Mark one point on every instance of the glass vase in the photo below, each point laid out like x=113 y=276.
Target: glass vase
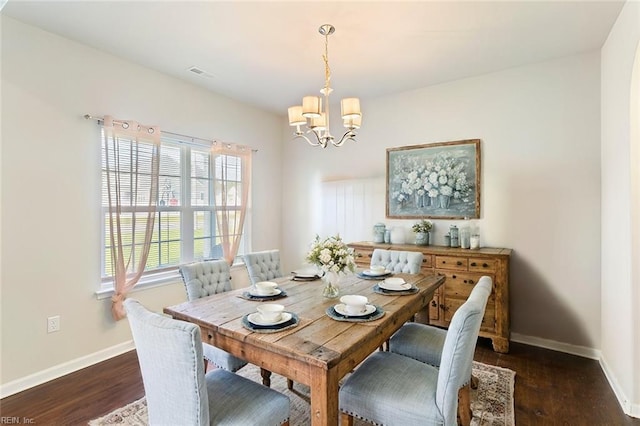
x=331 y=288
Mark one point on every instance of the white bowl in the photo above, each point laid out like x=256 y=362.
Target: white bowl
x=378 y=269
x=270 y=312
x=265 y=288
x=354 y=304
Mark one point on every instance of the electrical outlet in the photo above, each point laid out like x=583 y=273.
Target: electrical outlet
x=53 y=324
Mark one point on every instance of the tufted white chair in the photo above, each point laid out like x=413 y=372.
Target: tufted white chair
x=408 y=262
x=176 y=388
x=263 y=265
x=203 y=279
x=392 y=389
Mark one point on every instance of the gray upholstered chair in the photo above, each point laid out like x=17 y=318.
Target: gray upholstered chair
x=425 y=343
x=408 y=262
x=176 y=388
x=263 y=265
x=392 y=389
x=203 y=279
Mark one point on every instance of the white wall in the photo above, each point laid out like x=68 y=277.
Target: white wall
x=540 y=133
x=620 y=261
x=51 y=186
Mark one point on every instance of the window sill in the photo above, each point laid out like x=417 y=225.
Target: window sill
x=157 y=280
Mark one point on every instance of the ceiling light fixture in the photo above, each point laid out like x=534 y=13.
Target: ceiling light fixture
x=310 y=113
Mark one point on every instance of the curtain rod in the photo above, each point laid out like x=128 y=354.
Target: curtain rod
x=179 y=135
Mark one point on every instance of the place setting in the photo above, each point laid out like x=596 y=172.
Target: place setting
x=264 y=291
x=306 y=274
x=354 y=308
x=375 y=272
x=269 y=318
x=395 y=286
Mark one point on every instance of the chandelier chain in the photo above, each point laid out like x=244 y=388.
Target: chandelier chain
x=327 y=70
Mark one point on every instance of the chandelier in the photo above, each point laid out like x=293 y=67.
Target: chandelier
x=316 y=120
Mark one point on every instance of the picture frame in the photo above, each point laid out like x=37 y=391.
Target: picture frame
x=434 y=181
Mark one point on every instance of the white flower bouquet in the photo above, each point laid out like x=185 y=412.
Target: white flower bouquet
x=331 y=255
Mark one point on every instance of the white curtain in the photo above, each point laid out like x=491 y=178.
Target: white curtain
x=231 y=194
x=131 y=165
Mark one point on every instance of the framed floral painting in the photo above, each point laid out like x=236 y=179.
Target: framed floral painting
x=437 y=180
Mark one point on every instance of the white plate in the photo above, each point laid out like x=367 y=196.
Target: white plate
x=342 y=310
x=394 y=281
x=371 y=273
x=306 y=273
x=256 y=319
x=253 y=292
x=394 y=287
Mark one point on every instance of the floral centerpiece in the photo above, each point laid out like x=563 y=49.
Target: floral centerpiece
x=333 y=257
x=422 y=230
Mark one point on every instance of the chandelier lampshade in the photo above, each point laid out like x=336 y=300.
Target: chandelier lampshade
x=315 y=118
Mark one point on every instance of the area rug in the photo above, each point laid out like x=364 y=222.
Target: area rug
x=491 y=402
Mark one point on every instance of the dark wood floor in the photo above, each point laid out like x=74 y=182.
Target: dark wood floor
x=551 y=388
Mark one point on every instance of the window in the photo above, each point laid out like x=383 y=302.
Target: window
x=185 y=226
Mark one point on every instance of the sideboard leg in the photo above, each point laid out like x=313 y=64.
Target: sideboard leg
x=500 y=344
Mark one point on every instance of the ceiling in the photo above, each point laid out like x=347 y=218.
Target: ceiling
x=269 y=54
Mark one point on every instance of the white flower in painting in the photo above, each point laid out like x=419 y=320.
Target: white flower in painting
x=433 y=192
x=446 y=190
x=433 y=177
x=442 y=180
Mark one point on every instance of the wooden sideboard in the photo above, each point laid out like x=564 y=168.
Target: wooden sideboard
x=462 y=269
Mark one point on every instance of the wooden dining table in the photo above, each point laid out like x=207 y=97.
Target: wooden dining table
x=319 y=350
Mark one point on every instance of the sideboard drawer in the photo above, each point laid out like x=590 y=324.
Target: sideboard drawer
x=451 y=262
x=363 y=257
x=460 y=284
x=482 y=265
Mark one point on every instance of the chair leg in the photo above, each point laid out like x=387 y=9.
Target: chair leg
x=346 y=420
x=474 y=382
x=266 y=377
x=464 y=406
x=289 y=384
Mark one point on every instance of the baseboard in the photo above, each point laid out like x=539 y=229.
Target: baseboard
x=629 y=408
x=60 y=370
x=582 y=351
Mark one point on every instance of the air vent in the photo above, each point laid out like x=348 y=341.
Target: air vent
x=200 y=72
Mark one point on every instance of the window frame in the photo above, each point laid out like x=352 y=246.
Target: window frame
x=170 y=274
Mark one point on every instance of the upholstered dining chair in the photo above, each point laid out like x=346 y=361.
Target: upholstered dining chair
x=392 y=389
x=425 y=343
x=176 y=388
x=408 y=262
x=203 y=279
x=263 y=265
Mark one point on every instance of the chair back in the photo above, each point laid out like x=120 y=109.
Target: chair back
x=459 y=347
x=170 y=357
x=263 y=265
x=206 y=278
x=408 y=262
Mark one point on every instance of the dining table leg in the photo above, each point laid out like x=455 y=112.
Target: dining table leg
x=324 y=397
